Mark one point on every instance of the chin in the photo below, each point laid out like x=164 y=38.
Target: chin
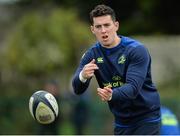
x=106 y=44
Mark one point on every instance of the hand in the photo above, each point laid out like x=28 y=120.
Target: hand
x=105 y=93
x=88 y=70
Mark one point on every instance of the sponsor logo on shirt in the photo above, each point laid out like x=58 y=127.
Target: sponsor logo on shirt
x=100 y=60
x=116 y=82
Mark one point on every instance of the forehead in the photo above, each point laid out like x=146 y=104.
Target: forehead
x=102 y=20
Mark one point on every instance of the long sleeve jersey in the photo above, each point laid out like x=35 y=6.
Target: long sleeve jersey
x=127 y=69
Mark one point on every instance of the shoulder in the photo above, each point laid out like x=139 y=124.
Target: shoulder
x=89 y=53
x=130 y=42
x=94 y=47
x=134 y=47
x=135 y=50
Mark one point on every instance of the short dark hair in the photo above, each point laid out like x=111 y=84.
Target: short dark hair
x=101 y=10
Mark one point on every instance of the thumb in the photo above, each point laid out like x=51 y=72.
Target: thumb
x=92 y=61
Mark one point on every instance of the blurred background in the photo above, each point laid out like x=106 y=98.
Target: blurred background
x=42 y=41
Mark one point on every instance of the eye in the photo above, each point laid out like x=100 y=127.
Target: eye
x=98 y=26
x=107 y=25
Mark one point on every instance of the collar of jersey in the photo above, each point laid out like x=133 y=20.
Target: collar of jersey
x=108 y=51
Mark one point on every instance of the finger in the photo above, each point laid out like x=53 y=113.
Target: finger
x=108 y=89
x=109 y=86
x=92 y=61
x=91 y=66
x=102 y=97
x=99 y=90
x=103 y=93
x=89 y=72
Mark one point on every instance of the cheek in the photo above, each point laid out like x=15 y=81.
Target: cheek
x=97 y=34
x=114 y=30
x=111 y=30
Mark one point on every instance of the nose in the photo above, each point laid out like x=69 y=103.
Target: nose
x=103 y=29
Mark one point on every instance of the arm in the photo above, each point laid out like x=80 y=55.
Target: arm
x=84 y=74
x=135 y=76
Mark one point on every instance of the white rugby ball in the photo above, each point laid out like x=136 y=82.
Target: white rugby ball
x=43 y=107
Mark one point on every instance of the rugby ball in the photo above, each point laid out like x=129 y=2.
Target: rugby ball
x=43 y=107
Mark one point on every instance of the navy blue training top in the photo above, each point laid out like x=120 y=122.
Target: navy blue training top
x=127 y=69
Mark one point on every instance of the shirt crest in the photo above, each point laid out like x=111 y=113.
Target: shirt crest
x=121 y=59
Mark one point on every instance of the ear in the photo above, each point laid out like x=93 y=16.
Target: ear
x=117 y=25
x=92 y=29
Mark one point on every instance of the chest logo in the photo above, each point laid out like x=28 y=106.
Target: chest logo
x=121 y=59
x=100 y=60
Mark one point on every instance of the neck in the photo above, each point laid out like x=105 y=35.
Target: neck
x=116 y=42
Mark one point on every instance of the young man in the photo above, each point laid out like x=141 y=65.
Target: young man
x=122 y=67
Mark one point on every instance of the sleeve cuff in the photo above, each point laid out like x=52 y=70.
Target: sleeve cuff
x=81 y=78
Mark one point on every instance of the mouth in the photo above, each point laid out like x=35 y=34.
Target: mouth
x=105 y=37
